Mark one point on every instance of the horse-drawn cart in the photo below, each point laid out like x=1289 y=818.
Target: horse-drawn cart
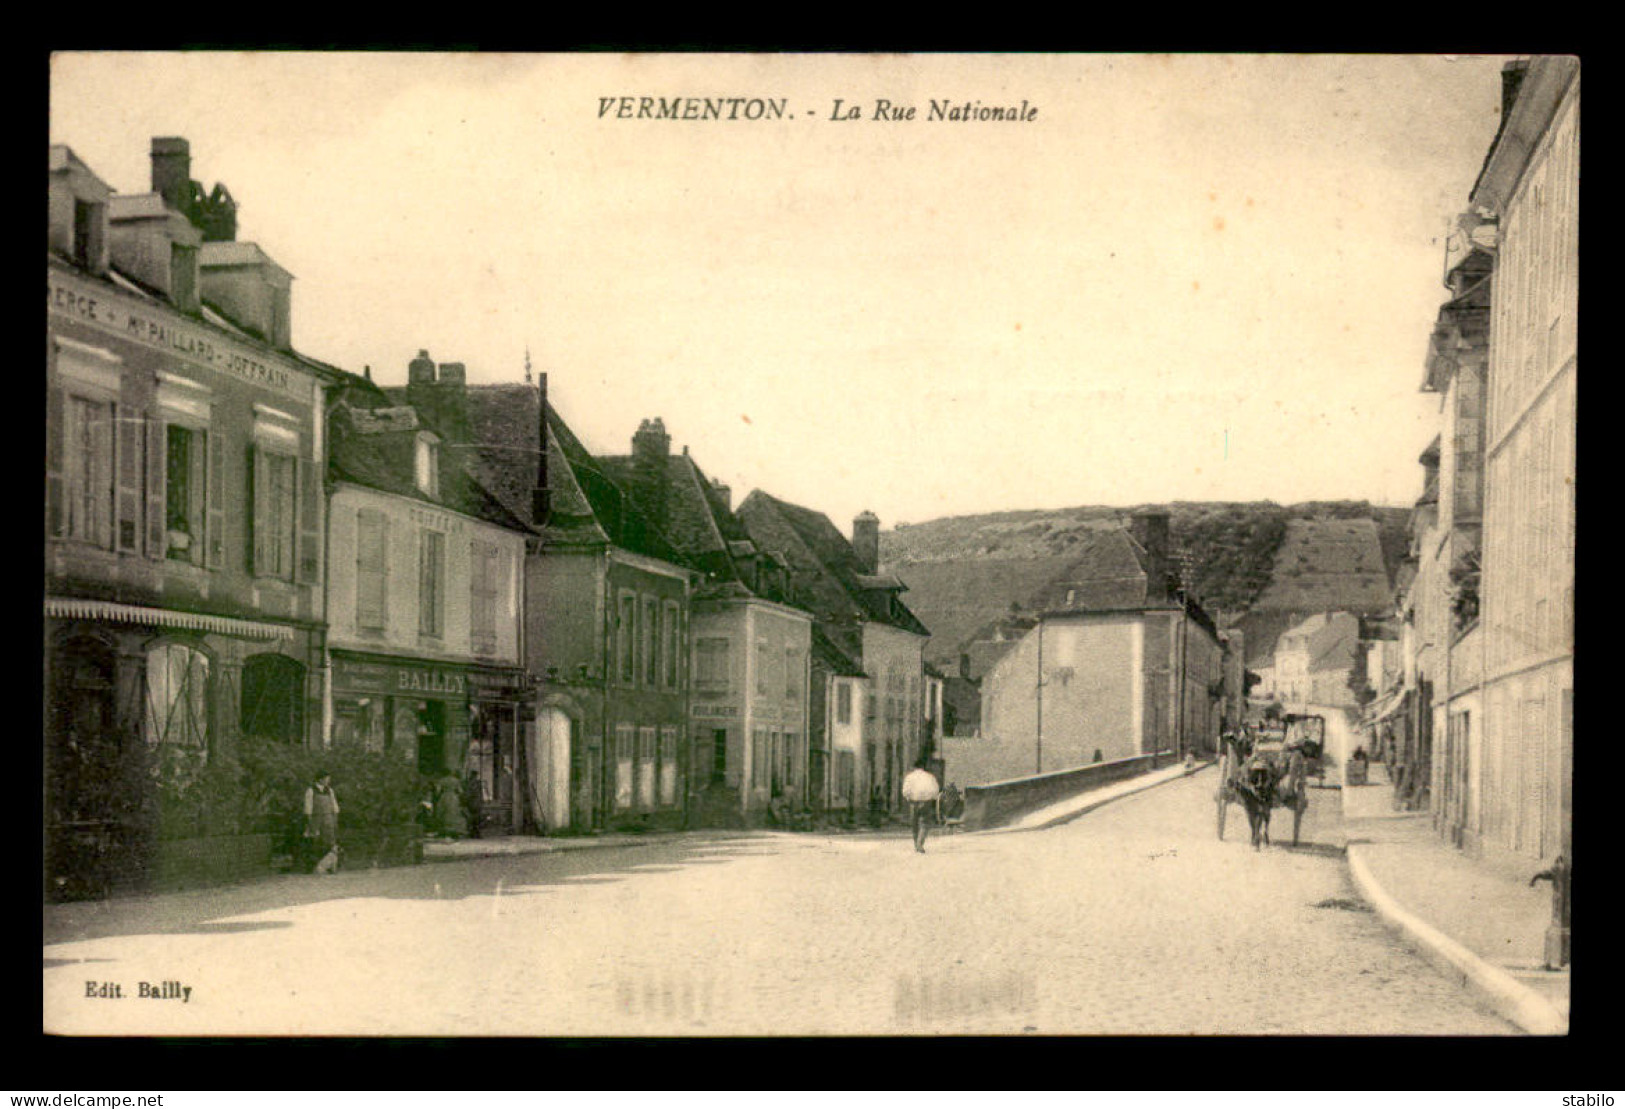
x=1261 y=773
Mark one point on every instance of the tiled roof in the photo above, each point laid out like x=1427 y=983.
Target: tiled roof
x=824 y=570
x=1107 y=572
x=837 y=660
x=586 y=507
x=375 y=447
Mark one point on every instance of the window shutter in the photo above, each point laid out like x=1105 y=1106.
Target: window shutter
x=307 y=498
x=156 y=523
x=215 y=510
x=54 y=416
x=127 y=522
x=261 y=534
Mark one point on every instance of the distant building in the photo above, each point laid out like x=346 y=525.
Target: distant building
x=860 y=612
x=1313 y=660
x=1118 y=661
x=759 y=734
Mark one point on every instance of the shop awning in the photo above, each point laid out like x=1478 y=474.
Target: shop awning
x=1385 y=708
x=73 y=609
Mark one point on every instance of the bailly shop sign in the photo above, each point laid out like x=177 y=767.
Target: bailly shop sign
x=387 y=678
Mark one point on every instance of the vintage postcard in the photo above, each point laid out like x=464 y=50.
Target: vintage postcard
x=641 y=544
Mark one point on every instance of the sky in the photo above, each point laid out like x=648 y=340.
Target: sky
x=1183 y=277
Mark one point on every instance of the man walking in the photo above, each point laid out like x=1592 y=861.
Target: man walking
x=920 y=790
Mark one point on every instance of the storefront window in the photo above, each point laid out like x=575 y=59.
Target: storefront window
x=273 y=698
x=177 y=708
x=668 y=766
x=624 y=739
x=646 y=766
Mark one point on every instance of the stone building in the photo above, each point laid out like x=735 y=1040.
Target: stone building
x=1118 y=662
x=607 y=612
x=425 y=596
x=184 y=513
x=759 y=736
x=1512 y=674
x=865 y=629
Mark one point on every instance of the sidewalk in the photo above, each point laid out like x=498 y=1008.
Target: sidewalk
x=448 y=850
x=1062 y=811
x=1474 y=919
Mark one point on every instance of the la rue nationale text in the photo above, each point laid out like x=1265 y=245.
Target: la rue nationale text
x=757 y=109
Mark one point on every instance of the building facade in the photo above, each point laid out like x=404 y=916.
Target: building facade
x=425 y=595
x=1522 y=777
x=863 y=626
x=184 y=613
x=1116 y=664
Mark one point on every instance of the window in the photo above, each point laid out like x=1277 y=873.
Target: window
x=626 y=644
x=372 y=570
x=624 y=736
x=273 y=698
x=763 y=658
x=792 y=674
x=274 y=499
x=719 y=755
x=431 y=583
x=711 y=664
x=485 y=560
x=177 y=706
x=651 y=641
x=427 y=464
x=87 y=471
x=646 y=766
x=843 y=702
x=759 y=758
x=668 y=765
x=185 y=499
x=183 y=277
x=88 y=222
x=673 y=644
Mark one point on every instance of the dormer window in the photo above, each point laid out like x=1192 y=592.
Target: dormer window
x=428 y=464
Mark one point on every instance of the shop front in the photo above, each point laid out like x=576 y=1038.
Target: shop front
x=449 y=719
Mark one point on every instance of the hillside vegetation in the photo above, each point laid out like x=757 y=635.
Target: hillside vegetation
x=965 y=571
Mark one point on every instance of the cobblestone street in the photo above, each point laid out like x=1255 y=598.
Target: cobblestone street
x=1131 y=919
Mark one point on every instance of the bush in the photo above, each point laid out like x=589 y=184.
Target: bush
x=374 y=790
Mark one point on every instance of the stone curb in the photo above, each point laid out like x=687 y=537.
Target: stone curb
x=1138 y=787
x=1509 y=997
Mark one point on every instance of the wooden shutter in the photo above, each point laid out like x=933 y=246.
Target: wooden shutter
x=54 y=415
x=308 y=505
x=129 y=449
x=215 y=503
x=260 y=534
x=157 y=525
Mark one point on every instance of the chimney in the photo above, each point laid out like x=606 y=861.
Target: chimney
x=866 y=540
x=172 y=172
x=453 y=373
x=651 y=447
x=1150 y=530
x=541 y=497
x=725 y=491
x=420 y=371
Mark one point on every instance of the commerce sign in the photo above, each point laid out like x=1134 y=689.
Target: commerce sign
x=99 y=308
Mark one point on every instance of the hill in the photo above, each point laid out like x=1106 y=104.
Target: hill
x=1257 y=565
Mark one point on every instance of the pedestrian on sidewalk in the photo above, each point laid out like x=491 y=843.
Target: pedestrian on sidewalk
x=920 y=790
x=322 y=822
